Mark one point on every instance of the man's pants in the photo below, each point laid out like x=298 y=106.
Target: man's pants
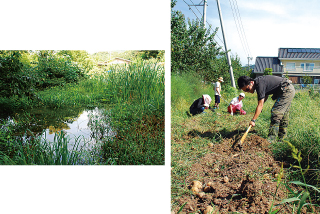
x=280 y=112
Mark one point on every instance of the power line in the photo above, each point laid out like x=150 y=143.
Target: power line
x=241 y=27
x=235 y=20
x=196 y=6
x=206 y=22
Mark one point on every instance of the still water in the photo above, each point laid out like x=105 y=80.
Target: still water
x=83 y=127
x=87 y=129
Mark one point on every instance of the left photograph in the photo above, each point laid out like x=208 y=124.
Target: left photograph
x=81 y=107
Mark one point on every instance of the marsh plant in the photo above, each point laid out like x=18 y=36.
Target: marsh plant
x=130 y=129
x=136 y=93
x=30 y=150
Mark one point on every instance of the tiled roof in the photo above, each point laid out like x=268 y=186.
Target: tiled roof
x=267 y=62
x=299 y=53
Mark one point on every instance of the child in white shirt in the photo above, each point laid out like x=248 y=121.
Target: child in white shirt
x=236 y=105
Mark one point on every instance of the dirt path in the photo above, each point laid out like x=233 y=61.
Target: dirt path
x=235 y=180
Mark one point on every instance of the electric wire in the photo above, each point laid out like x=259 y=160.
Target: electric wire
x=220 y=46
x=208 y=24
x=243 y=28
x=238 y=22
x=235 y=20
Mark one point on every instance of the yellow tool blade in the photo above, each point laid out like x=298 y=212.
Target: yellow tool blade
x=245 y=135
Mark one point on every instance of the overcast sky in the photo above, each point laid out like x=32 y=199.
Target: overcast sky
x=267 y=25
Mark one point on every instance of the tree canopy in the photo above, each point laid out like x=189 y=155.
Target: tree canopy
x=194 y=49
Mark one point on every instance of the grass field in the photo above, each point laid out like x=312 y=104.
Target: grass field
x=303 y=130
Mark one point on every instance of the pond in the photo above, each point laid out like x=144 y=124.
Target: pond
x=83 y=127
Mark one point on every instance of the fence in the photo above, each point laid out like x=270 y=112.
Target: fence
x=315 y=87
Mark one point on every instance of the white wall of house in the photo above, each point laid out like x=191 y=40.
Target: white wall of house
x=301 y=66
x=119 y=61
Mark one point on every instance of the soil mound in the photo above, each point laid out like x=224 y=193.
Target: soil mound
x=236 y=180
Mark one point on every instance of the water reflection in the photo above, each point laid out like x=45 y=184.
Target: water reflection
x=87 y=129
x=82 y=127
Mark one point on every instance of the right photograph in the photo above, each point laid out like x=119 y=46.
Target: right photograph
x=245 y=124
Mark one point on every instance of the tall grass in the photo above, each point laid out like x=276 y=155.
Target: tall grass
x=134 y=98
x=36 y=150
x=136 y=93
x=137 y=82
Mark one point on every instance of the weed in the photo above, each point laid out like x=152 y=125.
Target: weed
x=300 y=198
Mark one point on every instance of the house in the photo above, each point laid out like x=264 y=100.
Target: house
x=268 y=62
x=116 y=60
x=296 y=63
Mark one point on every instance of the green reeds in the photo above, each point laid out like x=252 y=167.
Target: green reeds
x=136 y=93
x=38 y=151
x=134 y=97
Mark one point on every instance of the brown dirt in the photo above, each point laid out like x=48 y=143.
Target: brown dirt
x=250 y=184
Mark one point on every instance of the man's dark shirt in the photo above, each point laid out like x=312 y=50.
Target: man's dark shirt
x=266 y=85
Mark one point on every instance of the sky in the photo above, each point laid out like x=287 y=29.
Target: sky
x=267 y=25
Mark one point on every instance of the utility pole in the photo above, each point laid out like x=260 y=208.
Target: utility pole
x=249 y=58
x=204 y=11
x=226 y=48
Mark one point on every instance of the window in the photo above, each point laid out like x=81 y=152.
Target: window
x=291 y=66
x=316 y=81
x=307 y=66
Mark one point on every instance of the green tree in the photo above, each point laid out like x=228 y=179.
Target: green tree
x=80 y=57
x=192 y=46
x=307 y=79
x=15 y=78
x=193 y=49
x=267 y=71
x=156 y=54
x=54 y=69
x=286 y=75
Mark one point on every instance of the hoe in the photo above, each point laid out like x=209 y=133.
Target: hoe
x=244 y=136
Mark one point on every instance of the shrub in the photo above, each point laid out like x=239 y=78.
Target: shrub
x=56 y=70
x=14 y=78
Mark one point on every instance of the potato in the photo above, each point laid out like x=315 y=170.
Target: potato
x=195 y=190
x=208 y=210
x=207 y=189
x=201 y=194
x=226 y=179
x=197 y=184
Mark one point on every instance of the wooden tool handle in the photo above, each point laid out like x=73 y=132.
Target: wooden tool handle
x=245 y=134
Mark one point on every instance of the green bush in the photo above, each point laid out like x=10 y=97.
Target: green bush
x=15 y=78
x=56 y=70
